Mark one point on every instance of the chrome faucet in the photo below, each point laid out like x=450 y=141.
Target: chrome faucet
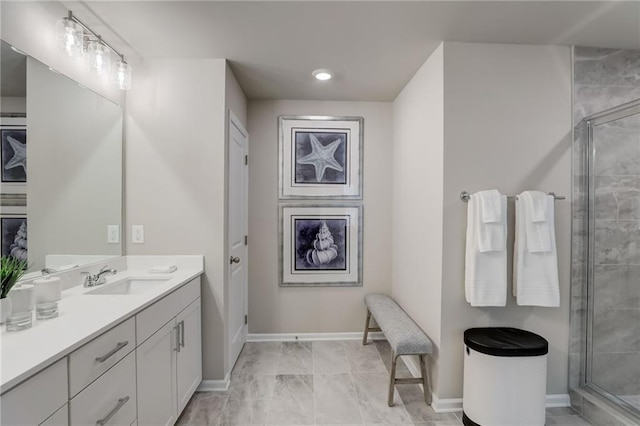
x=46 y=271
x=92 y=280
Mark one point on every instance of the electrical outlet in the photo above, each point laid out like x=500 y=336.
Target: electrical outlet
x=113 y=234
x=137 y=234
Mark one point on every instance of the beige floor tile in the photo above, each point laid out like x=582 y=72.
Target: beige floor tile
x=251 y=386
x=330 y=357
x=372 y=389
x=295 y=358
x=335 y=399
x=245 y=412
x=292 y=402
x=363 y=358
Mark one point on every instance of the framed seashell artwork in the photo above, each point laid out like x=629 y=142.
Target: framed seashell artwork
x=14 y=237
x=320 y=157
x=320 y=245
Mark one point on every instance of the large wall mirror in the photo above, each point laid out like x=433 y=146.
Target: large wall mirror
x=61 y=166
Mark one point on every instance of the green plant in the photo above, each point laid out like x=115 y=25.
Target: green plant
x=11 y=270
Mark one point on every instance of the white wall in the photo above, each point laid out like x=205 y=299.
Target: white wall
x=175 y=177
x=418 y=136
x=274 y=309
x=13 y=104
x=31 y=27
x=507 y=126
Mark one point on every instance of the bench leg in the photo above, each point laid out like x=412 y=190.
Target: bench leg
x=392 y=380
x=425 y=379
x=366 y=328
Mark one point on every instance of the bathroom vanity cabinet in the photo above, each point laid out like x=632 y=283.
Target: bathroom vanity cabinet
x=169 y=361
x=141 y=371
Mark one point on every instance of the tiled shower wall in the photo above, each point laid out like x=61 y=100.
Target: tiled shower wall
x=605 y=78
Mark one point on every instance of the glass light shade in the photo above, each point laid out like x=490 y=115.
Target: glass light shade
x=121 y=75
x=70 y=37
x=98 y=57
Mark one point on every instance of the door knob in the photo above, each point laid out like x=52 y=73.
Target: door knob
x=234 y=260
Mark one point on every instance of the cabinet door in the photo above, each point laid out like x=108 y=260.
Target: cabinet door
x=37 y=398
x=190 y=355
x=59 y=418
x=156 y=376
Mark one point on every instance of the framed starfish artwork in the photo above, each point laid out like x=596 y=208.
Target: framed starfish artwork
x=320 y=157
x=14 y=155
x=320 y=245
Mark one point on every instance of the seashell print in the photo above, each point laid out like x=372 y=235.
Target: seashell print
x=19 y=247
x=324 y=250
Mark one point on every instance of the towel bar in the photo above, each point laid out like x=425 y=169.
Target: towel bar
x=464 y=196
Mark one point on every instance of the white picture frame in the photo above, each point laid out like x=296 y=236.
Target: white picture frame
x=320 y=157
x=320 y=245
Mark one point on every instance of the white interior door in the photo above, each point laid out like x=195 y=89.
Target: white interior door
x=238 y=181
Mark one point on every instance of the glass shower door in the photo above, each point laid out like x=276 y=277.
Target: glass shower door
x=613 y=340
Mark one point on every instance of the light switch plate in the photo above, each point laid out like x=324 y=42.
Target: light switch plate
x=137 y=234
x=113 y=234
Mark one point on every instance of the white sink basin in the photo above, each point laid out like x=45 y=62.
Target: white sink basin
x=128 y=286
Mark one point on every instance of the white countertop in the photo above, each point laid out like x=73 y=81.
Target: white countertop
x=83 y=317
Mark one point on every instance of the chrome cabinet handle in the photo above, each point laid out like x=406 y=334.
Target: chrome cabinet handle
x=181 y=324
x=177 y=328
x=119 y=346
x=121 y=402
x=235 y=259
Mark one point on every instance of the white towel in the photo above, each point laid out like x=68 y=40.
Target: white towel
x=491 y=204
x=536 y=225
x=492 y=225
x=165 y=269
x=485 y=272
x=535 y=274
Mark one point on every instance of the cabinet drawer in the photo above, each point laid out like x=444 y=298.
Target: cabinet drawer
x=59 y=418
x=111 y=398
x=93 y=359
x=161 y=312
x=37 y=398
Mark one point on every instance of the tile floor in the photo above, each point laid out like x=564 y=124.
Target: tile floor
x=322 y=382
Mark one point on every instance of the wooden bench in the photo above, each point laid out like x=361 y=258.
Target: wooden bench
x=404 y=336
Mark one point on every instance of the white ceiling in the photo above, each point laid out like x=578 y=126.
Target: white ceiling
x=374 y=47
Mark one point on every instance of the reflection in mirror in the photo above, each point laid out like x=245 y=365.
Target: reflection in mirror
x=72 y=139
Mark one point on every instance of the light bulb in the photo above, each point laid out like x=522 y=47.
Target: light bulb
x=322 y=74
x=70 y=37
x=121 y=75
x=98 y=57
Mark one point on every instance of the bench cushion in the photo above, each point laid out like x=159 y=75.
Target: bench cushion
x=404 y=336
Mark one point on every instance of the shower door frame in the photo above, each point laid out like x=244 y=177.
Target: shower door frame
x=617 y=113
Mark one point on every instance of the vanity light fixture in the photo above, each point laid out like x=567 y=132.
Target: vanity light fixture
x=98 y=57
x=76 y=39
x=121 y=75
x=70 y=36
x=322 y=74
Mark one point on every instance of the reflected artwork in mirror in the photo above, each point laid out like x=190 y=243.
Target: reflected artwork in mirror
x=61 y=147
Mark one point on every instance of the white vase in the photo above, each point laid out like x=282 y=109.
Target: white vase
x=5 y=309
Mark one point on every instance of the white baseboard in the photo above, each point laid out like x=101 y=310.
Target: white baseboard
x=293 y=337
x=214 y=385
x=455 y=404
x=558 y=400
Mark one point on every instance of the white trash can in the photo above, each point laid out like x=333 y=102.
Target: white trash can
x=505 y=377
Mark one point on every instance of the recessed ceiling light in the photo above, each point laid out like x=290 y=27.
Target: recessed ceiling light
x=323 y=74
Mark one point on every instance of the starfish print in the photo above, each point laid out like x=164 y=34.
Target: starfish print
x=321 y=157
x=19 y=158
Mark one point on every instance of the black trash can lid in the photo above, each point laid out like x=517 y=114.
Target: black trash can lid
x=505 y=341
